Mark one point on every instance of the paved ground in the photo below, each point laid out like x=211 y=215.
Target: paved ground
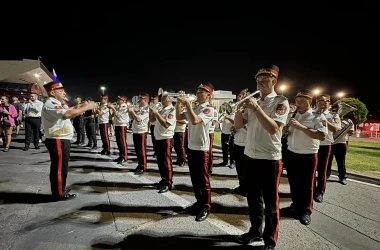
x=116 y=209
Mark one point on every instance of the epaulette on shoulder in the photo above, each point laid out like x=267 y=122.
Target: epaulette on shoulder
x=280 y=98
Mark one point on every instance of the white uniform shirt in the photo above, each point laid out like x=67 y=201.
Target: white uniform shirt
x=123 y=121
x=33 y=109
x=241 y=136
x=226 y=124
x=335 y=120
x=215 y=118
x=160 y=132
x=199 y=138
x=298 y=141
x=344 y=138
x=180 y=127
x=142 y=126
x=105 y=117
x=55 y=126
x=259 y=143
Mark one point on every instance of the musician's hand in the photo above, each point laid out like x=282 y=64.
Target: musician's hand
x=153 y=111
x=295 y=124
x=91 y=105
x=130 y=109
x=182 y=99
x=251 y=104
x=233 y=130
x=110 y=106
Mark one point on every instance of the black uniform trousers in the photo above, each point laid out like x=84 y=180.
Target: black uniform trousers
x=338 y=150
x=179 y=146
x=262 y=181
x=121 y=141
x=59 y=150
x=139 y=142
x=198 y=166
x=78 y=123
x=153 y=138
x=90 y=132
x=32 y=130
x=284 y=148
x=211 y=155
x=324 y=154
x=228 y=147
x=239 y=154
x=164 y=160
x=103 y=129
x=300 y=169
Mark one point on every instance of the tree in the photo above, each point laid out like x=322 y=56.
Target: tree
x=360 y=114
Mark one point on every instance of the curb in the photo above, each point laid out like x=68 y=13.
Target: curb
x=353 y=176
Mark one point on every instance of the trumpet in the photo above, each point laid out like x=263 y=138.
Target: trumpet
x=191 y=97
x=232 y=108
x=157 y=106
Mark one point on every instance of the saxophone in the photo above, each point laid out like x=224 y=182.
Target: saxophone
x=285 y=130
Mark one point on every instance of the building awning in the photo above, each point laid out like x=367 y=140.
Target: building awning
x=15 y=74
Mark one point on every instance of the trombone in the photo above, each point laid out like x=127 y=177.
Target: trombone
x=233 y=107
x=191 y=97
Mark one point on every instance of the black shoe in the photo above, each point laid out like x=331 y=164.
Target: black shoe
x=165 y=188
x=269 y=247
x=120 y=161
x=232 y=165
x=289 y=212
x=247 y=238
x=139 y=170
x=67 y=190
x=193 y=209
x=36 y=147
x=94 y=147
x=239 y=190
x=67 y=197
x=202 y=215
x=89 y=145
x=107 y=153
x=182 y=164
x=305 y=219
x=343 y=181
x=25 y=149
x=223 y=164
x=318 y=198
x=103 y=152
x=160 y=184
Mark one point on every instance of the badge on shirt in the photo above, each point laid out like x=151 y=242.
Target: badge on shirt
x=281 y=109
x=215 y=114
x=206 y=111
x=336 y=119
x=170 y=116
x=324 y=122
x=58 y=107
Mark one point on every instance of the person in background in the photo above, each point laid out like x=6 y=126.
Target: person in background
x=8 y=113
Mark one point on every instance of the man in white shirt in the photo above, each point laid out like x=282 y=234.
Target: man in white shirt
x=228 y=141
x=103 y=113
x=211 y=133
x=32 y=111
x=200 y=120
x=165 y=120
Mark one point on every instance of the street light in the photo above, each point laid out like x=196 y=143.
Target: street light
x=103 y=88
x=340 y=95
x=282 y=88
x=316 y=92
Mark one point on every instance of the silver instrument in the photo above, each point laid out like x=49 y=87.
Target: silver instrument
x=233 y=108
x=191 y=97
x=226 y=110
x=343 y=109
x=285 y=129
x=157 y=106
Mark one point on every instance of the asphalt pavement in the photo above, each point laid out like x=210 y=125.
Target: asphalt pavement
x=116 y=209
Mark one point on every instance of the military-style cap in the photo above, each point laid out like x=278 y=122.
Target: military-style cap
x=144 y=95
x=104 y=96
x=52 y=85
x=323 y=98
x=268 y=70
x=305 y=93
x=153 y=97
x=122 y=98
x=206 y=86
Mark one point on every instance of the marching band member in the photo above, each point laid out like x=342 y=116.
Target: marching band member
x=104 y=112
x=339 y=150
x=140 y=122
x=211 y=134
x=200 y=120
x=240 y=136
x=165 y=121
x=89 y=119
x=121 y=121
x=179 y=140
x=228 y=141
x=324 y=152
x=59 y=132
x=78 y=123
x=262 y=156
x=307 y=129
x=154 y=100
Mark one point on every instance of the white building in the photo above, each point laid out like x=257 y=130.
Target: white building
x=221 y=96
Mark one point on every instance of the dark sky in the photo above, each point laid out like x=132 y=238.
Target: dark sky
x=139 y=50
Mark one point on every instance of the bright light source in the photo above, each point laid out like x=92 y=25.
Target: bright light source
x=316 y=91
x=37 y=75
x=282 y=87
x=102 y=88
x=340 y=94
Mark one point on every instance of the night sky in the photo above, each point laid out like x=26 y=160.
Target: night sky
x=139 y=50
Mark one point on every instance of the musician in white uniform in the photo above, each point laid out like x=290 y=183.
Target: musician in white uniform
x=121 y=123
x=228 y=141
x=324 y=152
x=59 y=132
x=211 y=133
x=307 y=129
x=140 y=120
x=262 y=156
x=200 y=120
x=103 y=115
x=165 y=120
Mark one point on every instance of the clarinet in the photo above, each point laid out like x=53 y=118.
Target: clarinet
x=285 y=130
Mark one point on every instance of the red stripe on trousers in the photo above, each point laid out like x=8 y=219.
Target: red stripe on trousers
x=124 y=141
x=312 y=181
x=107 y=137
x=206 y=179
x=325 y=172
x=183 y=146
x=169 y=162
x=143 y=149
x=59 y=172
x=275 y=236
x=210 y=150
